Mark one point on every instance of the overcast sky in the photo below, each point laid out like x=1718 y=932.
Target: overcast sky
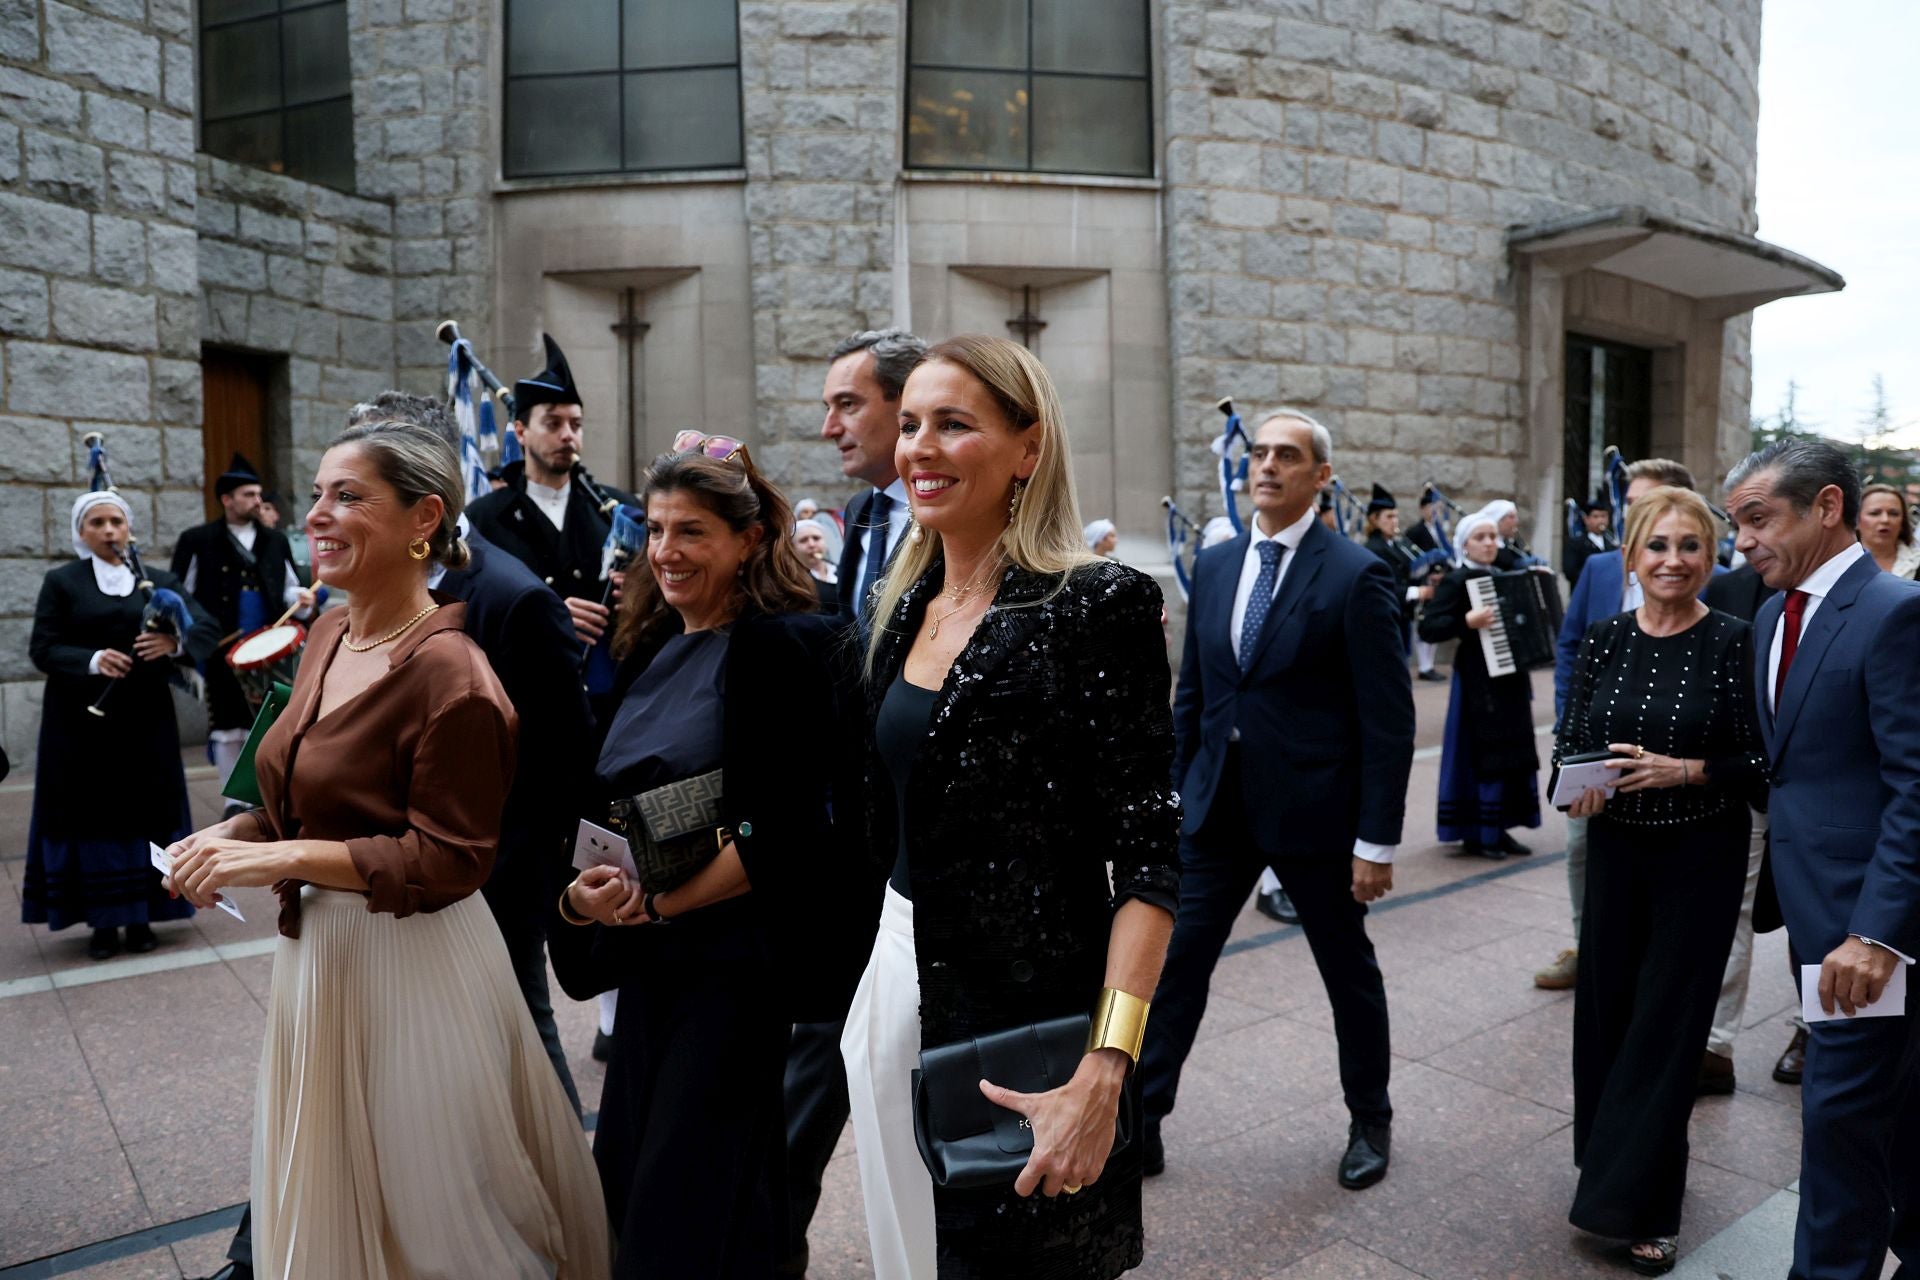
x=1840 y=183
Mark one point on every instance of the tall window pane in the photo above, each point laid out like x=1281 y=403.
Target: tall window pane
x=276 y=87
x=970 y=33
x=566 y=124
x=1050 y=86
x=669 y=98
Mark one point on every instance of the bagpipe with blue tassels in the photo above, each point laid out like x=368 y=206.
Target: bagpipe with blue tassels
x=1350 y=519
x=471 y=390
x=165 y=612
x=1183 y=535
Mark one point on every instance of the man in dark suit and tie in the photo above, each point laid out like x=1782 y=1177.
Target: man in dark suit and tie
x=862 y=396
x=1839 y=698
x=1293 y=722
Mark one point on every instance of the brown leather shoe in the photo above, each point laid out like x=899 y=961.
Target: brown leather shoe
x=1793 y=1060
x=1716 y=1075
x=1561 y=974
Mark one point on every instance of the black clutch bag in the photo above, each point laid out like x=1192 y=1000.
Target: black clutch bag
x=670 y=830
x=967 y=1142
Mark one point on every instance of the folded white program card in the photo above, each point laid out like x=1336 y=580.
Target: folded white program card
x=1575 y=779
x=1891 y=1004
x=598 y=847
x=164 y=864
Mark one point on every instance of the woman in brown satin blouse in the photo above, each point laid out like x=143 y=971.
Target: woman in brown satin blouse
x=407 y=1122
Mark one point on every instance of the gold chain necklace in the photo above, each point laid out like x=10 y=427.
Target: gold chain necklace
x=394 y=634
x=960 y=596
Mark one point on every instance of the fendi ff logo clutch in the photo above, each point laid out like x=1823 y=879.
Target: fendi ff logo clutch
x=681 y=808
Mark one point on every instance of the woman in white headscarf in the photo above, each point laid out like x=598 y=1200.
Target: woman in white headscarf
x=1513 y=552
x=1101 y=538
x=105 y=785
x=1489 y=765
x=810 y=540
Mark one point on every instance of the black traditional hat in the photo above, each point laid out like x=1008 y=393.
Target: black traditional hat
x=1592 y=505
x=1382 y=500
x=1430 y=496
x=552 y=385
x=238 y=475
x=1325 y=502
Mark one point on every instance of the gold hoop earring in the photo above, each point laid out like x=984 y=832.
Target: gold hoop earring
x=419 y=549
x=1013 y=507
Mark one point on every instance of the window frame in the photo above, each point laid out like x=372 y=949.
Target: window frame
x=1146 y=78
x=620 y=72
x=277 y=15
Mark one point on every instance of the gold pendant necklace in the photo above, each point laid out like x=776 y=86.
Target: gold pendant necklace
x=960 y=596
x=395 y=634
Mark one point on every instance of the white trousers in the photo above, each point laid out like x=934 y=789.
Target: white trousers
x=881 y=1046
x=1732 y=1006
x=1423 y=652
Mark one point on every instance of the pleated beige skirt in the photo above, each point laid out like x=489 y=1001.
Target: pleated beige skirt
x=408 y=1124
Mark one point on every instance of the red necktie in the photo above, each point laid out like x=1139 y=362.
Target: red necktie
x=1789 y=640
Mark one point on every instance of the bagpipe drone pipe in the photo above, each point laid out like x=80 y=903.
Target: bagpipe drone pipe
x=165 y=612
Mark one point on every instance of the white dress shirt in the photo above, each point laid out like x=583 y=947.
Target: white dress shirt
x=1817 y=585
x=897 y=518
x=1288 y=538
x=552 y=503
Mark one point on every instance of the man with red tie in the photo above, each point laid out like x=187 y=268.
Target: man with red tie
x=1838 y=691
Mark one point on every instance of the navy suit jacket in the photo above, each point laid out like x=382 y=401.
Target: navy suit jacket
x=1325 y=709
x=527 y=635
x=851 y=560
x=1844 y=813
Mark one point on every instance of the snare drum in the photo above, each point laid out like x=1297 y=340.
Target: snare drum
x=267 y=655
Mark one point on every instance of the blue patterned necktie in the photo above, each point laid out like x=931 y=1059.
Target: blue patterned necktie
x=874 y=562
x=1261 y=601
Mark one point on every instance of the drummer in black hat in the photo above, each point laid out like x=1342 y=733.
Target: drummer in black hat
x=540 y=516
x=1596 y=538
x=241 y=571
x=1384 y=540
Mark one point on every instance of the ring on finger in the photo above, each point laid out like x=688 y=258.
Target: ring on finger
x=1073 y=1190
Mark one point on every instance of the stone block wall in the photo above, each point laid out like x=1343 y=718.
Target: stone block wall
x=1341 y=175
x=291 y=268
x=821 y=89
x=98 y=313
x=423 y=144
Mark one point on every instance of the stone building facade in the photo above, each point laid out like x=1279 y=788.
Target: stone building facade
x=1478 y=238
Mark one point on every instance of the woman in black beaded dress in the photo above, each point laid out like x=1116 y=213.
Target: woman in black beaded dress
x=1023 y=743
x=87 y=848
x=1667 y=686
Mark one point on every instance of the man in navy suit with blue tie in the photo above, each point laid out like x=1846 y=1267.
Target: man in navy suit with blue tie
x=1838 y=689
x=1293 y=723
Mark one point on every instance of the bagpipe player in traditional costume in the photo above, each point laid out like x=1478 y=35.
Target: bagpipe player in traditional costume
x=552 y=516
x=109 y=778
x=1489 y=768
x=1399 y=555
x=241 y=570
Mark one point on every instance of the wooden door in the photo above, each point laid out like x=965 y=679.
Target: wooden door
x=235 y=391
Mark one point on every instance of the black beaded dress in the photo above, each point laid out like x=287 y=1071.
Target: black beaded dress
x=1665 y=872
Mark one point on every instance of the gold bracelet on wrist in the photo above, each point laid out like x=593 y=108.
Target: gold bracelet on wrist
x=567 y=912
x=1119 y=1022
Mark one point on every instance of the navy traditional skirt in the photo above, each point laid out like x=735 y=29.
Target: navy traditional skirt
x=1473 y=807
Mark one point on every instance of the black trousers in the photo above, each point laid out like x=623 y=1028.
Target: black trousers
x=526 y=939
x=817 y=1109
x=1662 y=903
x=691 y=1146
x=1218 y=868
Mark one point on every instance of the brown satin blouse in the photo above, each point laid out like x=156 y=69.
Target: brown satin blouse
x=411 y=773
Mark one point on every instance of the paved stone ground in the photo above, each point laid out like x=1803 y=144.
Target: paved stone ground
x=126 y=1092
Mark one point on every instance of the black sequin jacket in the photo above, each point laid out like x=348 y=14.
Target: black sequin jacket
x=1046 y=761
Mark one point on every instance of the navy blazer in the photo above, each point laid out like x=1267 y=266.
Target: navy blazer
x=527 y=636
x=850 y=555
x=1844 y=817
x=1325 y=710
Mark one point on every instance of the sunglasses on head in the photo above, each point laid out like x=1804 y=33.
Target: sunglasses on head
x=719 y=448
